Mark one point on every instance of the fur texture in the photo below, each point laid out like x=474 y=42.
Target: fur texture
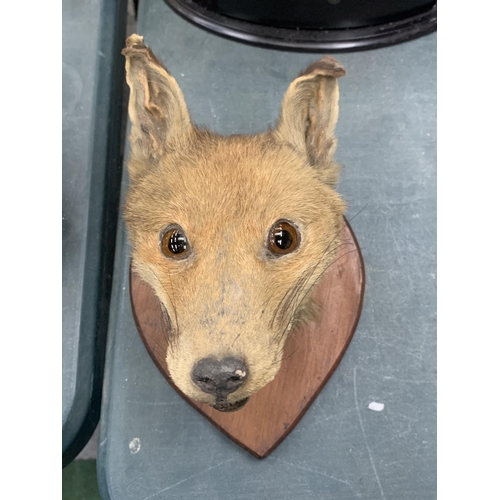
x=231 y=296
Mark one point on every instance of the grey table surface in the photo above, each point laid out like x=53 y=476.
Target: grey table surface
x=153 y=445
x=91 y=123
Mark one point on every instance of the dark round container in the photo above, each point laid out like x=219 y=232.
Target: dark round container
x=313 y=25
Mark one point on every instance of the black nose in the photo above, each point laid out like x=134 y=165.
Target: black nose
x=219 y=378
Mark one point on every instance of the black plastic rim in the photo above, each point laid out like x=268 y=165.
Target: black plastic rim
x=369 y=37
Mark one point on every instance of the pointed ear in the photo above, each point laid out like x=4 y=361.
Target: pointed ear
x=310 y=110
x=158 y=113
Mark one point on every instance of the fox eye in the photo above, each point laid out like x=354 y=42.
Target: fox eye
x=174 y=243
x=283 y=238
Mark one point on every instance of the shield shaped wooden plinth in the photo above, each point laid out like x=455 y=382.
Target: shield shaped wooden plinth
x=311 y=354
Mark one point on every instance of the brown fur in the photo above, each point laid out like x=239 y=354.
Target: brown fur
x=231 y=297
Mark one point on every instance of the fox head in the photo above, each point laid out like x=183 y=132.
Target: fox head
x=231 y=232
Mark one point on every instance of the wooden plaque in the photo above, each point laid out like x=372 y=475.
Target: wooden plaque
x=311 y=354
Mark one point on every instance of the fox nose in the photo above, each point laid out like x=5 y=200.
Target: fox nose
x=219 y=378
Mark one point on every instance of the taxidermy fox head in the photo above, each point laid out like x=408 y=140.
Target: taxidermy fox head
x=232 y=232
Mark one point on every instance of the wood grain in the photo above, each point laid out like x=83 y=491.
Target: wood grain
x=311 y=355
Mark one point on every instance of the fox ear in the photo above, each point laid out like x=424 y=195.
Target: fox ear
x=158 y=113
x=310 y=111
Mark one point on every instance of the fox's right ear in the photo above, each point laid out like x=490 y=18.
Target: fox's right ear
x=310 y=111
x=157 y=110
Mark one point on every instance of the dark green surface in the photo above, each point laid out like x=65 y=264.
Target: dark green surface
x=92 y=83
x=80 y=481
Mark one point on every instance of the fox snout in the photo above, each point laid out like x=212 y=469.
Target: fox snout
x=233 y=233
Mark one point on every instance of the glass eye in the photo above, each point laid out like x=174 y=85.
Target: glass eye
x=174 y=243
x=283 y=238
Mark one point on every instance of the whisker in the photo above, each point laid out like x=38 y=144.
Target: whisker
x=326 y=269
x=296 y=288
x=355 y=215
x=173 y=304
x=298 y=292
x=170 y=333
x=283 y=359
x=304 y=295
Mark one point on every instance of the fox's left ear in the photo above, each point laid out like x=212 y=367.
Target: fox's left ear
x=310 y=111
x=158 y=113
